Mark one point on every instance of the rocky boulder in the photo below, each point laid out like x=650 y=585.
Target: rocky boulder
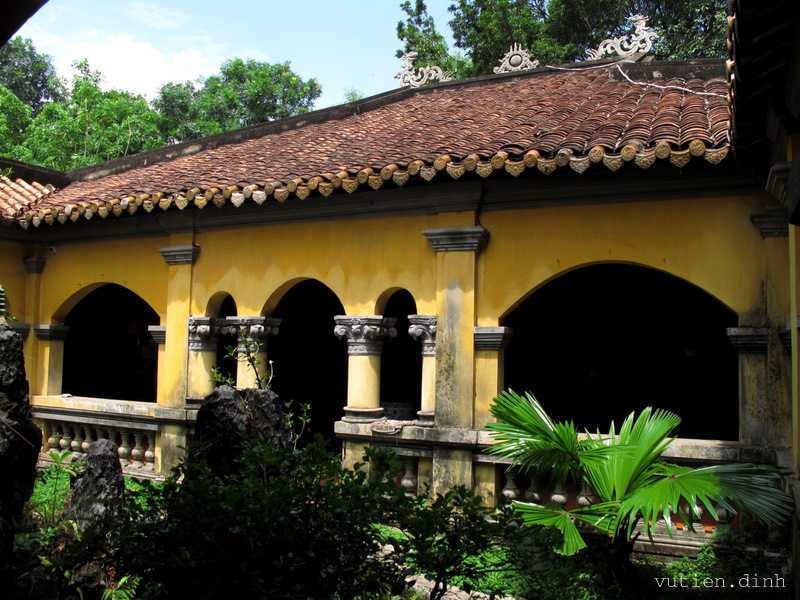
x=98 y=490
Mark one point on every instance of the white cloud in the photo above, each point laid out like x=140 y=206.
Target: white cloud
x=156 y=17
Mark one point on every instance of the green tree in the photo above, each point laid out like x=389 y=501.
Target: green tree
x=90 y=126
x=625 y=471
x=15 y=116
x=419 y=34
x=243 y=93
x=30 y=75
x=559 y=31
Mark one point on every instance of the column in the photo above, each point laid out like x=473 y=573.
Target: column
x=490 y=342
x=423 y=328
x=174 y=362
x=364 y=335
x=34 y=363
x=457 y=250
x=751 y=343
x=52 y=357
x=202 y=357
x=256 y=332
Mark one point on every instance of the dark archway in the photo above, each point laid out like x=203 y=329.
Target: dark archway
x=401 y=362
x=108 y=352
x=605 y=340
x=310 y=362
x=227 y=363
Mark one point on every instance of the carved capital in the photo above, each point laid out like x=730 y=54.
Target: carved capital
x=47 y=333
x=255 y=329
x=202 y=334
x=158 y=333
x=471 y=239
x=180 y=255
x=365 y=333
x=492 y=338
x=34 y=264
x=423 y=328
x=771 y=222
x=749 y=340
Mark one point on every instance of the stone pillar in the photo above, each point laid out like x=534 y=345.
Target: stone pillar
x=457 y=250
x=202 y=357
x=34 y=362
x=423 y=328
x=174 y=363
x=365 y=335
x=490 y=343
x=751 y=343
x=257 y=330
x=52 y=355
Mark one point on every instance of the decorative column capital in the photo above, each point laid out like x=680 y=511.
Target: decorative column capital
x=365 y=333
x=472 y=239
x=47 y=333
x=749 y=340
x=771 y=222
x=158 y=333
x=256 y=329
x=34 y=264
x=202 y=334
x=185 y=254
x=423 y=328
x=492 y=338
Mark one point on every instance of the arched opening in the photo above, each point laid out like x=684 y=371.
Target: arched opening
x=401 y=362
x=108 y=352
x=227 y=363
x=309 y=361
x=602 y=341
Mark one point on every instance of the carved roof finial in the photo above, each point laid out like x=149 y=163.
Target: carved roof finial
x=516 y=59
x=408 y=77
x=641 y=41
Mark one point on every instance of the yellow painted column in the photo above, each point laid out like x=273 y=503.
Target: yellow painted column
x=51 y=357
x=457 y=251
x=256 y=332
x=34 y=267
x=364 y=335
x=202 y=357
x=173 y=362
x=490 y=344
x=423 y=328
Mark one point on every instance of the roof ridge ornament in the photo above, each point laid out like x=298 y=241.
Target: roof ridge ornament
x=516 y=59
x=641 y=41
x=408 y=77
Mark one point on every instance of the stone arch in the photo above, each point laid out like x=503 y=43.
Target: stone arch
x=309 y=362
x=602 y=340
x=401 y=360
x=108 y=351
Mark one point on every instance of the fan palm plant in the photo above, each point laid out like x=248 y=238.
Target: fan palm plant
x=625 y=471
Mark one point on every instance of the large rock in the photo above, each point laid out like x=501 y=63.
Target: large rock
x=20 y=439
x=98 y=490
x=228 y=416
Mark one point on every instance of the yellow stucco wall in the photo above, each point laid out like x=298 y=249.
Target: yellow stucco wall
x=12 y=278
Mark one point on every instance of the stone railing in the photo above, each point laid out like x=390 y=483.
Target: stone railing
x=73 y=423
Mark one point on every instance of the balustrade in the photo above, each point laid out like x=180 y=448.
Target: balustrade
x=135 y=447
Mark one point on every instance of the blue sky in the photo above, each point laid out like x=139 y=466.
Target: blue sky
x=142 y=44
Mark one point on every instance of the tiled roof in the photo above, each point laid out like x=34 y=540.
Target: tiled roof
x=18 y=196
x=542 y=121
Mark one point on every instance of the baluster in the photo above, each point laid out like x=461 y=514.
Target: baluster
x=698 y=515
x=66 y=436
x=150 y=451
x=53 y=436
x=91 y=435
x=510 y=490
x=559 y=494
x=137 y=451
x=409 y=481
x=586 y=495
x=724 y=516
x=124 y=449
x=534 y=491
x=77 y=441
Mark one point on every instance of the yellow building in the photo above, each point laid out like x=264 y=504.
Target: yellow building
x=582 y=232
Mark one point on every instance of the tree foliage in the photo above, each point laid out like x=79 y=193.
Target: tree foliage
x=558 y=31
x=29 y=75
x=243 y=93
